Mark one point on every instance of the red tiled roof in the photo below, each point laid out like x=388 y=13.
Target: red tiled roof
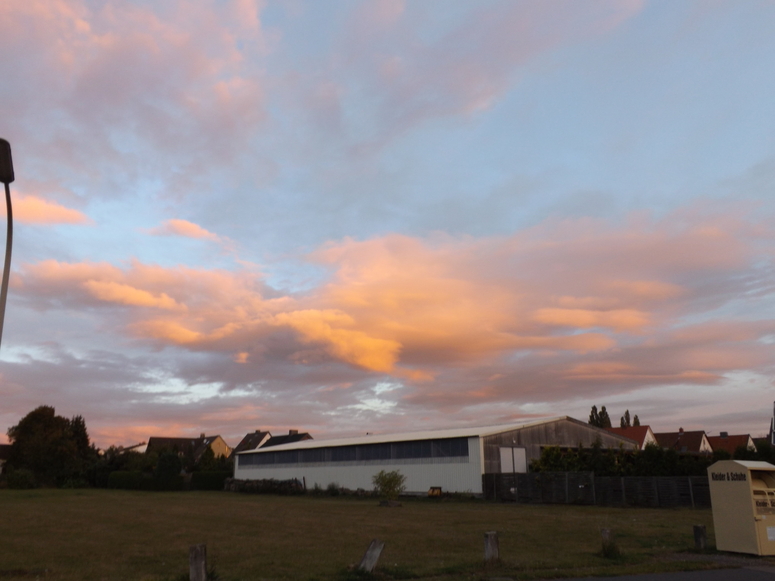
x=729 y=443
x=637 y=433
x=681 y=441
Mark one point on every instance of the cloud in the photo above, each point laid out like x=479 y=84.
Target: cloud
x=34 y=210
x=109 y=93
x=468 y=67
x=417 y=308
x=124 y=294
x=176 y=227
x=619 y=319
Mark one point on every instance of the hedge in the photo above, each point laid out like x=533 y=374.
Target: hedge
x=209 y=480
x=136 y=480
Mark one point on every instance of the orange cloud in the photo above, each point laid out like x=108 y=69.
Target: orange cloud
x=168 y=331
x=417 y=308
x=354 y=346
x=128 y=295
x=35 y=210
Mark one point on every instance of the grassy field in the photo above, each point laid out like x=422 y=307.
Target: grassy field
x=68 y=535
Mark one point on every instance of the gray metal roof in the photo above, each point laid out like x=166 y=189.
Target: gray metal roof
x=407 y=436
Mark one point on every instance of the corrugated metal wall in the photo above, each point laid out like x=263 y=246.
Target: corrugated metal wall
x=453 y=475
x=563 y=433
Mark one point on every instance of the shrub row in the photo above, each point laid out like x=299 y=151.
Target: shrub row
x=208 y=480
x=270 y=486
x=136 y=480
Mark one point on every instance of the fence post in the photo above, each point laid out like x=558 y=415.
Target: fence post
x=491 y=548
x=691 y=490
x=197 y=563
x=624 y=493
x=371 y=556
x=594 y=497
x=700 y=537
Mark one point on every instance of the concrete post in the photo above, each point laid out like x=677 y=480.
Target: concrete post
x=700 y=537
x=197 y=563
x=491 y=548
x=371 y=556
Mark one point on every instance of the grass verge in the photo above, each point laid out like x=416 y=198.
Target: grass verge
x=121 y=535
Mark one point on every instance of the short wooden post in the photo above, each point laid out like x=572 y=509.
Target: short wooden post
x=491 y=549
x=197 y=563
x=700 y=537
x=371 y=556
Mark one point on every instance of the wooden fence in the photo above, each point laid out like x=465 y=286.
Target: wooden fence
x=586 y=488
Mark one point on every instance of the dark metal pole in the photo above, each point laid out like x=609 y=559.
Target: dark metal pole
x=7 y=264
x=6 y=176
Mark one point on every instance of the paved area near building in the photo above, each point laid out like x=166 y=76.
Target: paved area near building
x=742 y=574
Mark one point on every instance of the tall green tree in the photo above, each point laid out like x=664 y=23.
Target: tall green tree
x=624 y=422
x=605 y=421
x=636 y=421
x=594 y=417
x=599 y=419
x=56 y=449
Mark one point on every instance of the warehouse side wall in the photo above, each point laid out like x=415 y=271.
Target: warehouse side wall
x=451 y=474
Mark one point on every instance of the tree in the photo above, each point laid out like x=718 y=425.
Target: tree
x=55 y=449
x=599 y=419
x=389 y=484
x=605 y=421
x=594 y=417
x=624 y=422
x=636 y=421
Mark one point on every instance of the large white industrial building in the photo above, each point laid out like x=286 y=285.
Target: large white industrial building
x=454 y=459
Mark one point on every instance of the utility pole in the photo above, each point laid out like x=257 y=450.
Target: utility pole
x=6 y=176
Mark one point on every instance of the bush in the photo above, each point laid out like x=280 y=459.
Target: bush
x=126 y=479
x=21 y=479
x=268 y=486
x=389 y=484
x=75 y=483
x=333 y=489
x=209 y=480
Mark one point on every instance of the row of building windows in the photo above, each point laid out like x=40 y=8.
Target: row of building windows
x=446 y=448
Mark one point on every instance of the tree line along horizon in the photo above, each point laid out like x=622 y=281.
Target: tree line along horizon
x=54 y=451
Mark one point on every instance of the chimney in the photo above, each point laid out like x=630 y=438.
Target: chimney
x=724 y=434
x=202 y=435
x=293 y=432
x=680 y=430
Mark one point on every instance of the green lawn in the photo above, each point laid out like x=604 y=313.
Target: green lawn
x=106 y=535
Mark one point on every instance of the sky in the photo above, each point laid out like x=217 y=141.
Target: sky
x=373 y=216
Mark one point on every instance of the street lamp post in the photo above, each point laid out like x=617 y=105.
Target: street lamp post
x=6 y=176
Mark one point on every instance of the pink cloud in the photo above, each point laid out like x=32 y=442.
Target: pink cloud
x=550 y=313
x=35 y=210
x=176 y=227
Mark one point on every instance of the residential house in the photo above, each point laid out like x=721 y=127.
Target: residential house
x=693 y=442
x=252 y=441
x=191 y=447
x=731 y=443
x=641 y=434
x=291 y=437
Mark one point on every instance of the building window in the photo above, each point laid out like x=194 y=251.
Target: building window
x=443 y=448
